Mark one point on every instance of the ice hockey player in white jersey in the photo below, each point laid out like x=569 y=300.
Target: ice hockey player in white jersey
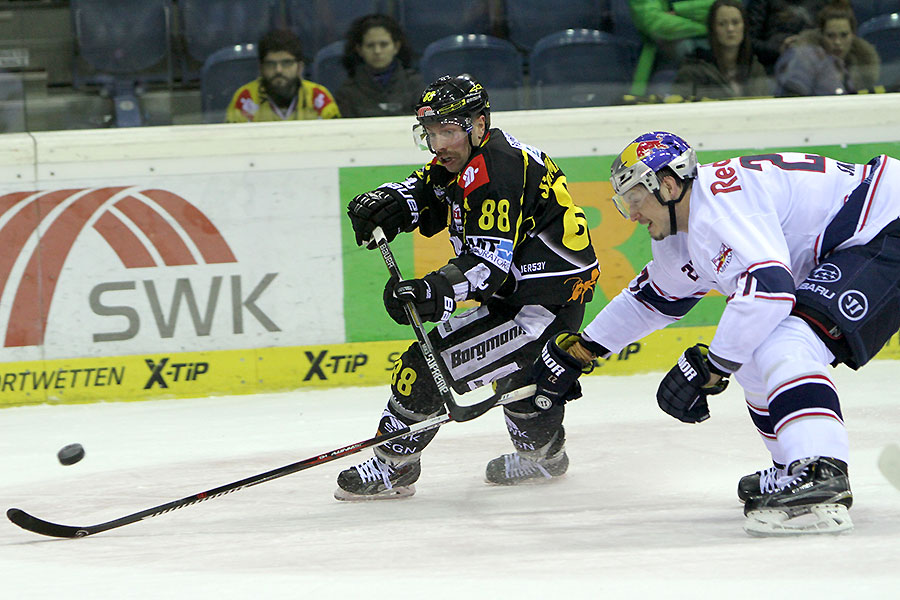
x=807 y=251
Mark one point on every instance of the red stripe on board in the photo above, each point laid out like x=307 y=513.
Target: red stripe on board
x=171 y=247
x=9 y=200
x=28 y=317
x=16 y=232
x=127 y=246
x=209 y=241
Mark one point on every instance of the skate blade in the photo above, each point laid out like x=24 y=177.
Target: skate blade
x=396 y=493
x=532 y=481
x=820 y=518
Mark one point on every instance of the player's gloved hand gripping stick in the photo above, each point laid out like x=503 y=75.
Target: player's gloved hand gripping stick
x=457 y=412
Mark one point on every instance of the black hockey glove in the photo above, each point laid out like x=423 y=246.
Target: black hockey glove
x=432 y=297
x=377 y=208
x=682 y=392
x=555 y=372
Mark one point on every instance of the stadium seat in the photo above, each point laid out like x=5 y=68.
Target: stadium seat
x=622 y=23
x=208 y=25
x=495 y=63
x=426 y=21
x=869 y=9
x=121 y=40
x=222 y=74
x=581 y=67
x=124 y=44
x=530 y=20
x=884 y=33
x=327 y=68
x=12 y=103
x=321 y=22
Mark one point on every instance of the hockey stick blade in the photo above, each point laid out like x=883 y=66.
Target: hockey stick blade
x=889 y=464
x=460 y=413
x=35 y=525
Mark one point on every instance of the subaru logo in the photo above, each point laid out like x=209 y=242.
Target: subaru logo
x=825 y=273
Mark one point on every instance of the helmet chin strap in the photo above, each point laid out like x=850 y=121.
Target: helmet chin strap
x=671 y=204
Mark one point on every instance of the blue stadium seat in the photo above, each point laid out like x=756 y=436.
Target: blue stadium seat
x=495 y=63
x=224 y=71
x=884 y=33
x=12 y=103
x=869 y=9
x=581 y=67
x=208 y=25
x=426 y=21
x=327 y=68
x=321 y=22
x=622 y=23
x=124 y=44
x=530 y=20
x=121 y=40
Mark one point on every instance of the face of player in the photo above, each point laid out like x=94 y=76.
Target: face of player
x=378 y=48
x=837 y=35
x=450 y=143
x=729 y=27
x=281 y=73
x=644 y=208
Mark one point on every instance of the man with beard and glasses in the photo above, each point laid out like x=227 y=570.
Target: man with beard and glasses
x=280 y=93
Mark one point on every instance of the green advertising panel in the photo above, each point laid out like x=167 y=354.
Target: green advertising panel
x=622 y=247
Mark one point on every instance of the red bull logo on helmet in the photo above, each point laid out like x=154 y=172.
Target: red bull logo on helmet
x=644 y=148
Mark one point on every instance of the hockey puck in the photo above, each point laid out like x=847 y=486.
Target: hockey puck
x=70 y=454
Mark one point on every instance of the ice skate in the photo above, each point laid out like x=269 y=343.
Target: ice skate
x=761 y=482
x=813 y=497
x=514 y=468
x=376 y=479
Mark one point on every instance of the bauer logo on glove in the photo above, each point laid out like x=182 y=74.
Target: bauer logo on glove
x=682 y=392
x=556 y=373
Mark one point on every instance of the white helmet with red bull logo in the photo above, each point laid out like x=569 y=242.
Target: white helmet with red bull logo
x=641 y=161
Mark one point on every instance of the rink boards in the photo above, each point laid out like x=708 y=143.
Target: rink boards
x=195 y=261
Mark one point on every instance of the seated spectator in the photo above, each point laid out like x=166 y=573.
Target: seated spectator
x=829 y=60
x=729 y=69
x=280 y=93
x=377 y=59
x=774 y=25
x=664 y=24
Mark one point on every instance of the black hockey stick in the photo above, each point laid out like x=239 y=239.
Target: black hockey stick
x=35 y=525
x=457 y=412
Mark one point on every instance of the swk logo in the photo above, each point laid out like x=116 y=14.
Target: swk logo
x=322 y=364
x=175 y=372
x=144 y=227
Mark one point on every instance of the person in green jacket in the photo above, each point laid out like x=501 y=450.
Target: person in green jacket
x=663 y=24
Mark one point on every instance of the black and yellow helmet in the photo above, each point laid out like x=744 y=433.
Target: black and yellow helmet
x=456 y=99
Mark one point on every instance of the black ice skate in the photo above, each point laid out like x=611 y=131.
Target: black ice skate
x=376 y=479
x=761 y=482
x=812 y=498
x=513 y=469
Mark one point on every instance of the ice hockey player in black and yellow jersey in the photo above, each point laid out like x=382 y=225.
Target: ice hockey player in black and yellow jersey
x=523 y=252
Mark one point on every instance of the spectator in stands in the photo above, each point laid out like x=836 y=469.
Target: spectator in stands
x=774 y=25
x=828 y=60
x=377 y=58
x=281 y=93
x=664 y=24
x=729 y=69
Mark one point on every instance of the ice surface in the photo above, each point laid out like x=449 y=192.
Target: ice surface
x=648 y=508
